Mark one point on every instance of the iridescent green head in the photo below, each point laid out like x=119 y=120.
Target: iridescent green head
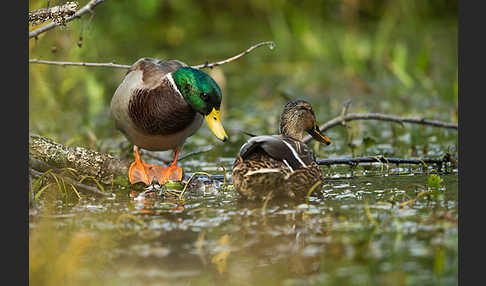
x=198 y=89
x=203 y=94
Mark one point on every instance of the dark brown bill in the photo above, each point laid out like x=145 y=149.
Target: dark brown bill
x=316 y=134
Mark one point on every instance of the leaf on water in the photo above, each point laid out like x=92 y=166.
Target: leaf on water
x=434 y=181
x=174 y=185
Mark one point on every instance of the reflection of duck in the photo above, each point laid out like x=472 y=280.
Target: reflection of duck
x=280 y=163
x=301 y=261
x=158 y=105
x=148 y=202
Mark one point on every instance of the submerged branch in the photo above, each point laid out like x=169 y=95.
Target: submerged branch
x=87 y=8
x=113 y=65
x=380 y=159
x=341 y=120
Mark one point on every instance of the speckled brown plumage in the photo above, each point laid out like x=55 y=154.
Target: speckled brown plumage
x=280 y=164
x=272 y=175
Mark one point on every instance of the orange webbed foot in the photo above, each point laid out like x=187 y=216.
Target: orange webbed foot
x=173 y=173
x=146 y=173
x=139 y=172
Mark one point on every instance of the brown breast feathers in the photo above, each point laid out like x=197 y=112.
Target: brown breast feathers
x=160 y=110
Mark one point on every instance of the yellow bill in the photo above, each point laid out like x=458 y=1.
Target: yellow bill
x=215 y=125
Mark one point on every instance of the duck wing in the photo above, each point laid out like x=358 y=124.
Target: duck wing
x=153 y=70
x=283 y=148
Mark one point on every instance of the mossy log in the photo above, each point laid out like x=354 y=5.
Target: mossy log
x=46 y=154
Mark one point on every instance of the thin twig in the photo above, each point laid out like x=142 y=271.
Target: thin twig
x=212 y=65
x=379 y=116
x=197 y=152
x=87 y=8
x=108 y=65
x=113 y=65
x=166 y=160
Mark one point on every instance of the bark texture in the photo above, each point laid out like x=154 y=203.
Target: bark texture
x=45 y=153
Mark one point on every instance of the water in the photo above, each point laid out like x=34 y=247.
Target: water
x=354 y=233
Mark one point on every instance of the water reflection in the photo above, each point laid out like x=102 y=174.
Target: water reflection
x=153 y=239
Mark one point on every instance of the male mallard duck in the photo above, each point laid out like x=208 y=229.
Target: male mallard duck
x=281 y=163
x=158 y=105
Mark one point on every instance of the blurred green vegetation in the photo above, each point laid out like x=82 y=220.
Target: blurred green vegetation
x=397 y=57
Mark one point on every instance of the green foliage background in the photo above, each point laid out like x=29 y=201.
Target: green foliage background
x=397 y=57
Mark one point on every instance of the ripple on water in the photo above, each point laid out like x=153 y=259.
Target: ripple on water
x=332 y=232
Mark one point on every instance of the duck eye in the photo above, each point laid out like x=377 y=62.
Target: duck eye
x=204 y=96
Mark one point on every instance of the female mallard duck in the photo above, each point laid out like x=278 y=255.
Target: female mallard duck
x=281 y=163
x=158 y=105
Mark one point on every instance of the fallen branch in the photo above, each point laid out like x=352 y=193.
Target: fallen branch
x=113 y=65
x=103 y=167
x=58 y=14
x=87 y=8
x=341 y=120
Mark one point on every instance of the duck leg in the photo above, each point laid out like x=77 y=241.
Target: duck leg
x=140 y=171
x=143 y=172
x=173 y=172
